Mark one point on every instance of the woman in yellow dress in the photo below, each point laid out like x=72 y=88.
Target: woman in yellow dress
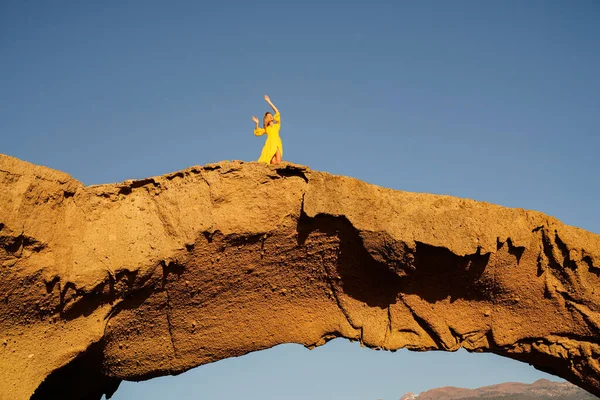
x=272 y=151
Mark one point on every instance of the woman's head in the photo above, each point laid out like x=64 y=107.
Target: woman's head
x=268 y=119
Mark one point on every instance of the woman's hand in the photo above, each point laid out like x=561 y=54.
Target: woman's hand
x=255 y=120
x=268 y=100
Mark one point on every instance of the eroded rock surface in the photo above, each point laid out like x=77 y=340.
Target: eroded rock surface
x=152 y=277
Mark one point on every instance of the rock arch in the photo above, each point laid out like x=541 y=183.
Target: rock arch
x=156 y=276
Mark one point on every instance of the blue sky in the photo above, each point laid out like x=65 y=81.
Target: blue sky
x=494 y=101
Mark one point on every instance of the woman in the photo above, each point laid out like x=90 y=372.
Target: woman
x=273 y=149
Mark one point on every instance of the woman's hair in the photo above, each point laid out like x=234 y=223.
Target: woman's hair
x=264 y=124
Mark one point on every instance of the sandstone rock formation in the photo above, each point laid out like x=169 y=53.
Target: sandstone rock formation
x=156 y=276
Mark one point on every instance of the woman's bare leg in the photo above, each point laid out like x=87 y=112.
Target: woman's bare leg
x=277 y=157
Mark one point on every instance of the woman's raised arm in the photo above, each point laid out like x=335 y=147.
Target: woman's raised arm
x=268 y=100
x=258 y=131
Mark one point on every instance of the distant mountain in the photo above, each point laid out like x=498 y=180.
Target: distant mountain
x=539 y=390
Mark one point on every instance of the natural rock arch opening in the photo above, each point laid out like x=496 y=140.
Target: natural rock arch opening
x=339 y=369
x=375 y=373
x=157 y=276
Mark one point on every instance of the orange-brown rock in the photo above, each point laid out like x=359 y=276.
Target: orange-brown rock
x=156 y=276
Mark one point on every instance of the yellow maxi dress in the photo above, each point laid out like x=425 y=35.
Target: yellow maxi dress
x=273 y=140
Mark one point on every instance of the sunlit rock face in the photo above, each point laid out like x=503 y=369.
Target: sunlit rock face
x=156 y=276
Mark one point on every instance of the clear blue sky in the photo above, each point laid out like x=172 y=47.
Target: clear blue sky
x=494 y=101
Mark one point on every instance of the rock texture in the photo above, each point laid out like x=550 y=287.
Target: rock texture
x=156 y=276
